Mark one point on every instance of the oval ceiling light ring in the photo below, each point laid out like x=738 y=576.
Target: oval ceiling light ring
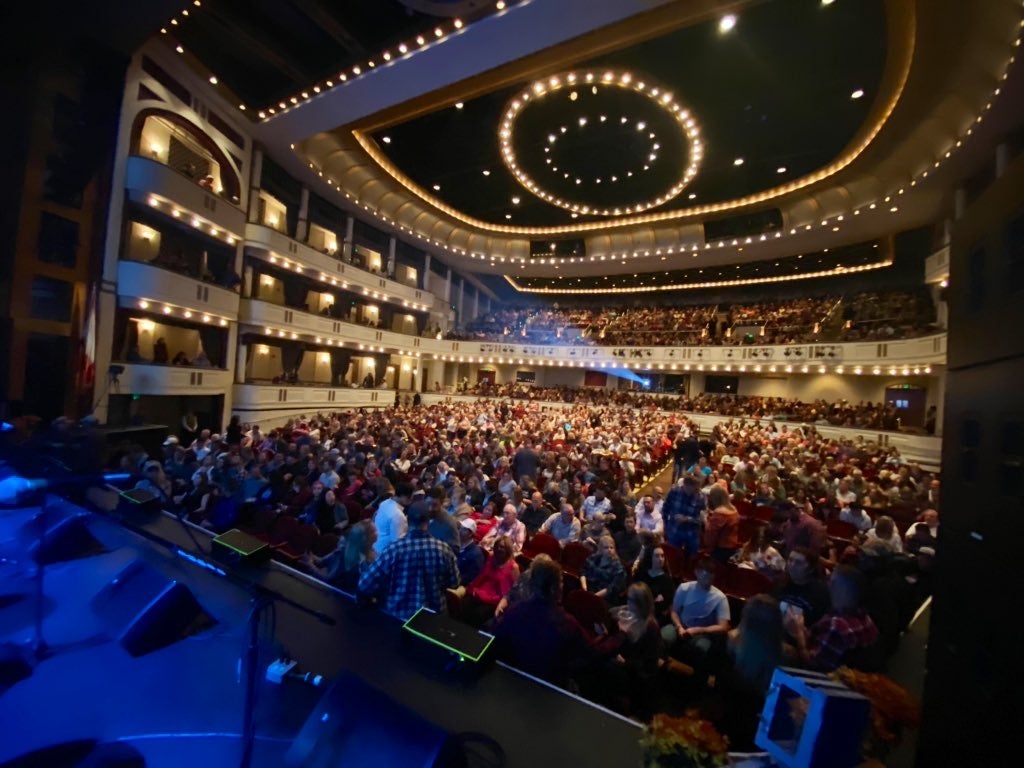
x=662 y=99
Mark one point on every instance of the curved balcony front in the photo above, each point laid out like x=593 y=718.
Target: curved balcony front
x=150 y=379
x=141 y=281
x=316 y=264
x=150 y=181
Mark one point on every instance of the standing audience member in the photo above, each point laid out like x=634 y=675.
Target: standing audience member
x=722 y=535
x=414 y=571
x=390 y=518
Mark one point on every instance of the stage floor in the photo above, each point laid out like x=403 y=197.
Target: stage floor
x=183 y=705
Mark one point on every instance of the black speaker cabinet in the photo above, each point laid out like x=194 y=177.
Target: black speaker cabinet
x=147 y=610
x=67 y=537
x=357 y=724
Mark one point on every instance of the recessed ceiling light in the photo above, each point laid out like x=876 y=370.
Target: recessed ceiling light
x=386 y=139
x=573 y=96
x=508 y=215
x=500 y=5
x=726 y=23
x=515 y=201
x=213 y=79
x=486 y=173
x=459 y=105
x=437 y=187
x=738 y=161
x=857 y=94
x=781 y=169
x=693 y=195
x=827 y=2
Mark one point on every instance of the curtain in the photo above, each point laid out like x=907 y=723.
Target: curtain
x=295 y=294
x=212 y=340
x=381 y=367
x=341 y=360
x=292 y=353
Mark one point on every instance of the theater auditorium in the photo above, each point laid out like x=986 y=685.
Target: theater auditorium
x=516 y=383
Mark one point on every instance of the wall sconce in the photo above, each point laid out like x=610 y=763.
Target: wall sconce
x=262 y=349
x=266 y=280
x=325 y=357
x=272 y=221
x=147 y=326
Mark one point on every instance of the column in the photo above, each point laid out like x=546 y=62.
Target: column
x=241 y=353
x=302 y=227
x=1002 y=158
x=462 y=292
x=959 y=203
x=231 y=353
x=247 y=277
x=346 y=245
x=426 y=272
x=476 y=303
x=448 y=287
x=255 y=175
x=389 y=268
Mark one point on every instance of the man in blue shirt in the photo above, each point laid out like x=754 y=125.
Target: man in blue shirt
x=682 y=513
x=413 y=571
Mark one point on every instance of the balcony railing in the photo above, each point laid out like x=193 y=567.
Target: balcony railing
x=318 y=265
x=146 y=179
x=149 y=379
x=853 y=357
x=268 y=404
x=155 y=284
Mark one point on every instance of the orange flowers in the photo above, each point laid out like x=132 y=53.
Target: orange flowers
x=683 y=742
x=892 y=706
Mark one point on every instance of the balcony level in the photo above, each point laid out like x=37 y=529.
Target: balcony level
x=143 y=282
x=160 y=186
x=917 y=354
x=278 y=248
x=272 y=405
x=151 y=379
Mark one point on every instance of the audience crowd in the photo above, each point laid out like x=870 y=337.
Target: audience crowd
x=551 y=527
x=893 y=315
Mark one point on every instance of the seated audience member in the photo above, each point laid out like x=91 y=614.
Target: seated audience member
x=155 y=481
x=351 y=557
x=758 y=554
x=536 y=635
x=653 y=570
x=854 y=514
x=803 y=587
x=801 y=529
x=648 y=518
x=535 y=512
x=633 y=672
x=884 y=536
x=924 y=533
x=628 y=543
x=485 y=519
x=510 y=526
x=603 y=573
x=755 y=648
x=843 y=635
x=597 y=513
x=414 y=571
x=700 y=620
x=471 y=555
x=721 y=536
x=493 y=584
x=564 y=525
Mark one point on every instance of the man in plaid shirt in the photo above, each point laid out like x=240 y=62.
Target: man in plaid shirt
x=839 y=633
x=414 y=571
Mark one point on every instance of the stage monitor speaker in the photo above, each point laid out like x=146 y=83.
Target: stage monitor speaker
x=148 y=610
x=138 y=501
x=68 y=538
x=357 y=724
x=83 y=753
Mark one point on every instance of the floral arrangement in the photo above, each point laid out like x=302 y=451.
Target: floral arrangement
x=683 y=742
x=892 y=708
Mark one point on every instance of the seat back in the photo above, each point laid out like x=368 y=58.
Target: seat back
x=587 y=608
x=543 y=543
x=840 y=529
x=282 y=529
x=573 y=556
x=742 y=582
